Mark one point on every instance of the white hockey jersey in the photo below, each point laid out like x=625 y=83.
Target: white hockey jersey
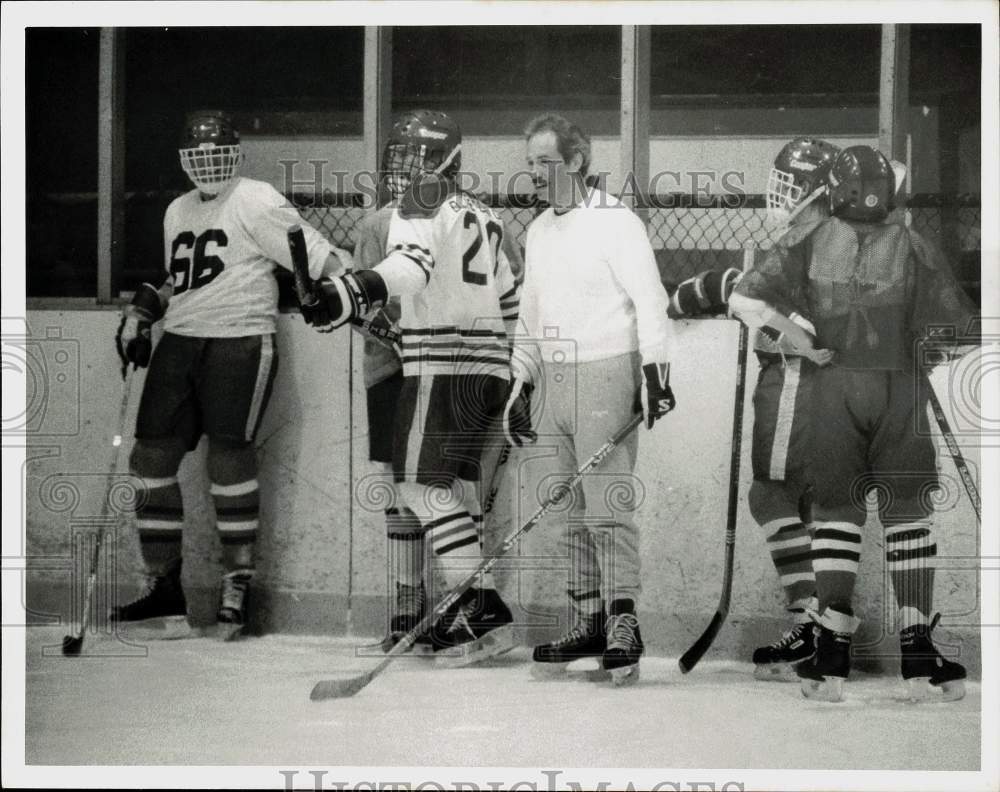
x=455 y=323
x=220 y=257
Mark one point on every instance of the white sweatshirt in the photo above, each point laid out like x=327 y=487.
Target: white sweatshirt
x=591 y=278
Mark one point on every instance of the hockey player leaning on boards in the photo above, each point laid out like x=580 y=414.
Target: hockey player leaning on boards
x=212 y=370
x=873 y=288
x=796 y=194
x=444 y=259
x=589 y=273
x=383 y=371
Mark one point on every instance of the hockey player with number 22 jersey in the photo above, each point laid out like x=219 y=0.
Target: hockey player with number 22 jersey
x=459 y=298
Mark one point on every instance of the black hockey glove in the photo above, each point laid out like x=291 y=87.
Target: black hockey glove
x=339 y=300
x=134 y=337
x=316 y=315
x=659 y=398
x=517 y=414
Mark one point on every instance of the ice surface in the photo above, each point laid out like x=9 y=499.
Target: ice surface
x=202 y=702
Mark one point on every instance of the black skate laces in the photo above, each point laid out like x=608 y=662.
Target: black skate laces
x=621 y=629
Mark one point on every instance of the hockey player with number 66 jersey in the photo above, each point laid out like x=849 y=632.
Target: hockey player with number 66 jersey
x=212 y=370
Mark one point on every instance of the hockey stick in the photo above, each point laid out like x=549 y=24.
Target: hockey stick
x=73 y=644
x=343 y=688
x=303 y=287
x=956 y=454
x=691 y=657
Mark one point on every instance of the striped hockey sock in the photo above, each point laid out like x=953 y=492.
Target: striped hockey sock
x=237 y=511
x=909 y=554
x=454 y=541
x=160 y=522
x=836 y=551
x=790 y=544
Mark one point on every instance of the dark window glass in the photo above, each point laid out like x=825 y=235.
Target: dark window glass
x=493 y=79
x=274 y=82
x=61 y=76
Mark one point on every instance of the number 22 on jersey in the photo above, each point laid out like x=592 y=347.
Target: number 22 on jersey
x=476 y=259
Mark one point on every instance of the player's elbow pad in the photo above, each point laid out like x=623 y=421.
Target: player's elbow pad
x=705 y=294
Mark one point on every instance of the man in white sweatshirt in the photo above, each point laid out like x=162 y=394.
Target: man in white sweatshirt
x=591 y=282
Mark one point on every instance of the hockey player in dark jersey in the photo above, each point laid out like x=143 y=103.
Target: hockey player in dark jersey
x=872 y=287
x=796 y=192
x=445 y=261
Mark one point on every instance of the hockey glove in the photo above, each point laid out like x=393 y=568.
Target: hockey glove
x=659 y=398
x=316 y=315
x=134 y=337
x=339 y=300
x=517 y=414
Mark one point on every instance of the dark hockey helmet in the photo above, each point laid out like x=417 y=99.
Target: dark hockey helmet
x=862 y=185
x=210 y=150
x=799 y=175
x=421 y=141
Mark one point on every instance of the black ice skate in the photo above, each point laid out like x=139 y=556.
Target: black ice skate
x=410 y=609
x=924 y=670
x=231 y=615
x=823 y=675
x=478 y=626
x=160 y=612
x=776 y=663
x=587 y=639
x=621 y=657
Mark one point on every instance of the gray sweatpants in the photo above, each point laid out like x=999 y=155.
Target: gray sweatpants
x=577 y=409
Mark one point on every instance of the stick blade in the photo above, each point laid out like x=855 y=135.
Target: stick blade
x=72 y=645
x=691 y=657
x=339 y=688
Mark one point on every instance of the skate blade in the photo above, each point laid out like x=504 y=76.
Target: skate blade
x=624 y=676
x=830 y=689
x=161 y=628
x=584 y=668
x=920 y=690
x=495 y=642
x=775 y=672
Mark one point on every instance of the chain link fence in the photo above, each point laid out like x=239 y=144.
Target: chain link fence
x=689 y=234
x=694 y=233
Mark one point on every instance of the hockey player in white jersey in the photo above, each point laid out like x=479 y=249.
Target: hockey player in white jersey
x=459 y=298
x=212 y=370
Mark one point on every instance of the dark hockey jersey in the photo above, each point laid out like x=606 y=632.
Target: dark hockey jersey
x=872 y=290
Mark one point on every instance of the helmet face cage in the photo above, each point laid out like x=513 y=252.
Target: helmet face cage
x=782 y=191
x=211 y=167
x=798 y=176
x=403 y=161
